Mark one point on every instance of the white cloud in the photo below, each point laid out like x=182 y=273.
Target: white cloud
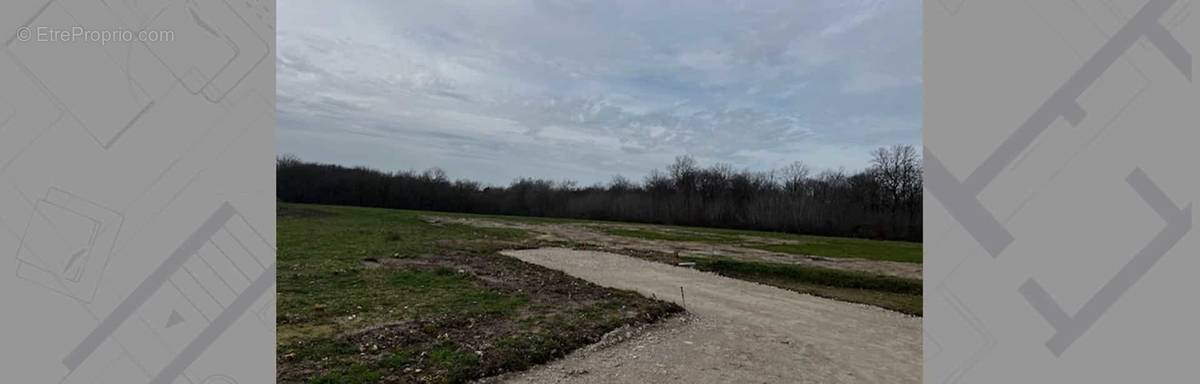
x=871 y=81
x=584 y=90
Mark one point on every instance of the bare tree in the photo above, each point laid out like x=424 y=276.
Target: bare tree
x=898 y=172
x=882 y=201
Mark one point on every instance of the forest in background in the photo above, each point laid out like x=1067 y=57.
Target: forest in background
x=882 y=201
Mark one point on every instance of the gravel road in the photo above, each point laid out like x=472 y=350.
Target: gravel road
x=736 y=331
x=592 y=234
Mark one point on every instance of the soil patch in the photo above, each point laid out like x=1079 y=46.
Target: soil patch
x=561 y=314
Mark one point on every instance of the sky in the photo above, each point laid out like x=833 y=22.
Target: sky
x=584 y=90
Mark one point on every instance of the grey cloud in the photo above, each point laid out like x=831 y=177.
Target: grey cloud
x=585 y=90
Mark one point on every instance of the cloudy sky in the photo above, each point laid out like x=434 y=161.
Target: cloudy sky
x=585 y=90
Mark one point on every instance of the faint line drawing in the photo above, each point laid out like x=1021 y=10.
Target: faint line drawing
x=210 y=334
x=29 y=116
x=219 y=312
x=211 y=77
x=6 y=113
x=219 y=379
x=972 y=320
x=961 y=198
x=68 y=241
x=28 y=22
x=250 y=55
x=104 y=116
x=952 y=6
x=147 y=287
x=1068 y=328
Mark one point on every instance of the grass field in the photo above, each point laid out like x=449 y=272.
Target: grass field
x=375 y=295
x=783 y=242
x=894 y=293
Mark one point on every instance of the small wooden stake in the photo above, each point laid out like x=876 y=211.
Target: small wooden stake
x=682 y=297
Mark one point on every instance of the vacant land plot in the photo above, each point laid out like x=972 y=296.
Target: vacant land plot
x=703 y=242
x=838 y=274
x=373 y=295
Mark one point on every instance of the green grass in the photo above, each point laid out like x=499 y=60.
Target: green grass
x=813 y=245
x=667 y=235
x=355 y=374
x=815 y=275
x=421 y=300
x=895 y=293
x=851 y=248
x=414 y=312
x=843 y=247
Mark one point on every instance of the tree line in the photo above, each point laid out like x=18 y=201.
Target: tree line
x=882 y=201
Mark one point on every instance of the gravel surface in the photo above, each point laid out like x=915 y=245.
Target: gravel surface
x=590 y=235
x=736 y=332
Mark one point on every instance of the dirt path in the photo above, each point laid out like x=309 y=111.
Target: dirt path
x=737 y=332
x=587 y=234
